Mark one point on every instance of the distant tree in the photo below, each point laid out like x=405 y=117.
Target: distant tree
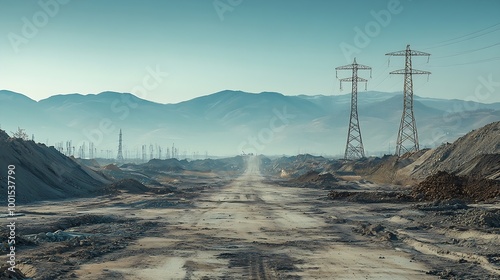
x=21 y=134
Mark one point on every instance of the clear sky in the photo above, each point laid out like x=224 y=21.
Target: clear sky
x=174 y=50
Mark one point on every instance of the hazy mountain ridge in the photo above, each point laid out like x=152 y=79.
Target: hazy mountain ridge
x=224 y=122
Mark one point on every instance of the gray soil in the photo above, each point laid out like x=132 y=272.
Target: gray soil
x=249 y=227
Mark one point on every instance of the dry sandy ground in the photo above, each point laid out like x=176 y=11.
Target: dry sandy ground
x=249 y=229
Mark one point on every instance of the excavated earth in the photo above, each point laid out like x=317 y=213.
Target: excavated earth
x=244 y=225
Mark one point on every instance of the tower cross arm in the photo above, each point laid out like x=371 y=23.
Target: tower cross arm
x=345 y=67
x=419 y=53
x=412 y=53
x=352 y=66
x=399 y=53
x=364 y=67
x=412 y=71
x=350 y=79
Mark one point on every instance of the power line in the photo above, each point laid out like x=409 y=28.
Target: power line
x=467 y=52
x=470 y=62
x=464 y=37
x=381 y=73
x=387 y=76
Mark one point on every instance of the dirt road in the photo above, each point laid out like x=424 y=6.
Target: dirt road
x=252 y=230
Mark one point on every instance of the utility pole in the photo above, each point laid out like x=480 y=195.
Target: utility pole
x=354 y=147
x=144 y=153
x=91 y=150
x=407 y=134
x=119 y=158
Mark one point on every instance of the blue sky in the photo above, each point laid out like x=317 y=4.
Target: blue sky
x=200 y=47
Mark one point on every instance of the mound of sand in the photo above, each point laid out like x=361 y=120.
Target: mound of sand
x=443 y=186
x=482 y=166
x=43 y=173
x=479 y=148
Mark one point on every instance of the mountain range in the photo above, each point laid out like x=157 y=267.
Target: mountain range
x=232 y=122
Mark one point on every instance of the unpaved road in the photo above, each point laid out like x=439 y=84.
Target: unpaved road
x=253 y=230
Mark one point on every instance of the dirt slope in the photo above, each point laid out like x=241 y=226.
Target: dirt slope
x=42 y=173
x=467 y=156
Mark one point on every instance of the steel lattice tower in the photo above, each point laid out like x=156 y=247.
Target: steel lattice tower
x=120 y=154
x=407 y=135
x=354 y=147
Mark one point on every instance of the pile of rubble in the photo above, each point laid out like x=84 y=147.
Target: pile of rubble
x=456 y=213
x=443 y=186
x=57 y=236
x=5 y=273
x=477 y=218
x=375 y=230
x=370 y=196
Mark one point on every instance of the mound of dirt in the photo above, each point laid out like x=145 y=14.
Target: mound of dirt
x=43 y=173
x=443 y=186
x=112 y=167
x=382 y=170
x=128 y=185
x=316 y=177
x=297 y=165
x=479 y=148
x=482 y=166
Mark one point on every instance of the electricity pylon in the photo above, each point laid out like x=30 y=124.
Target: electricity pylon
x=354 y=147
x=120 y=154
x=407 y=135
